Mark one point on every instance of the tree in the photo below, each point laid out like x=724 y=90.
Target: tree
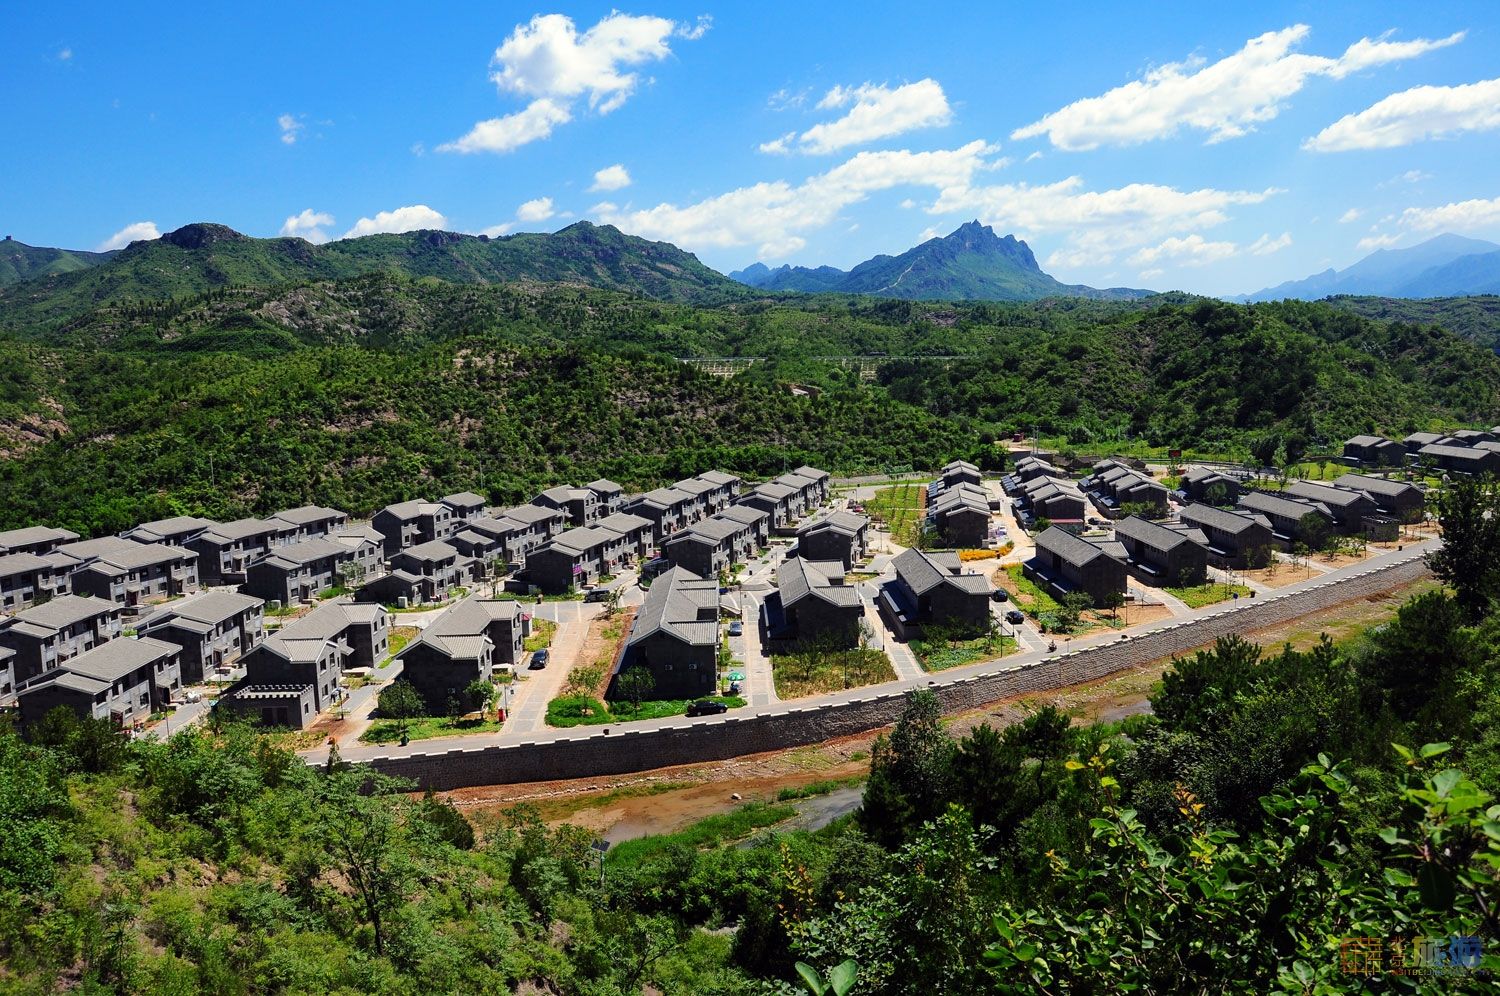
x=910 y=773
x=483 y=693
x=1314 y=530
x=1216 y=494
x=1112 y=600
x=401 y=702
x=634 y=685
x=1469 y=559
x=1071 y=608
x=1263 y=448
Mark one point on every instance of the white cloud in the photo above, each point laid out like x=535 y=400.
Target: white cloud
x=1155 y=271
x=1353 y=214
x=403 y=219
x=1191 y=251
x=137 y=231
x=770 y=215
x=1226 y=98
x=615 y=177
x=512 y=131
x=1377 y=241
x=65 y=55
x=535 y=210
x=548 y=60
x=1416 y=175
x=1457 y=216
x=875 y=112
x=495 y=231
x=291 y=128
x=1265 y=245
x=310 y=225
x=785 y=99
x=1413 y=115
x=1034 y=156
x=697 y=30
x=779 y=146
x=1097 y=224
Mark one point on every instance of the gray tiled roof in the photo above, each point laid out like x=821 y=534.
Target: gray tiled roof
x=846 y=523
x=459 y=631
x=229 y=532
x=12 y=564
x=31 y=535
x=433 y=550
x=1223 y=519
x=1074 y=549
x=463 y=499
x=1156 y=535
x=305 y=514
x=622 y=523
x=1454 y=452
x=582 y=540
x=117 y=658
x=1340 y=497
x=1381 y=486
x=1295 y=508
x=306 y=552
x=797 y=579
x=812 y=473
x=604 y=486
x=718 y=477
x=65 y=610
x=212 y=607
x=677 y=604
x=744 y=513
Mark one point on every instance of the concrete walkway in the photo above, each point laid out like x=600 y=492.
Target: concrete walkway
x=760 y=683
x=514 y=734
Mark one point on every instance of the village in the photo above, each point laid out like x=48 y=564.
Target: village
x=711 y=596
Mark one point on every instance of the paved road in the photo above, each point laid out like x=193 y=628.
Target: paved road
x=510 y=736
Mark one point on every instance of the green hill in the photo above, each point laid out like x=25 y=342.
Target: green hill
x=19 y=261
x=202 y=257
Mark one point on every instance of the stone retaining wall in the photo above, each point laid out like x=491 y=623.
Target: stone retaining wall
x=624 y=750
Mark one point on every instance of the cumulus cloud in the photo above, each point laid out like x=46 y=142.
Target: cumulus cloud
x=771 y=215
x=550 y=61
x=309 y=224
x=615 y=177
x=1097 y=224
x=1265 y=245
x=134 y=232
x=291 y=128
x=875 y=112
x=1194 y=250
x=1353 y=214
x=1457 y=216
x=1226 y=99
x=495 y=231
x=503 y=134
x=402 y=219
x=1414 y=115
x=539 y=209
x=1377 y=241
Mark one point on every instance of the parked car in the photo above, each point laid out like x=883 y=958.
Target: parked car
x=598 y=595
x=736 y=628
x=1015 y=617
x=1001 y=595
x=706 y=707
x=538 y=660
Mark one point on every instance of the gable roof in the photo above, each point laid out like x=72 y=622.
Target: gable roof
x=117 y=658
x=675 y=604
x=1156 y=535
x=1074 y=549
x=604 y=486
x=432 y=550
x=305 y=552
x=304 y=515
x=1293 y=508
x=842 y=522
x=1382 y=486
x=31 y=535
x=797 y=579
x=1326 y=494
x=65 y=610
x=459 y=632
x=580 y=540
x=1222 y=519
x=210 y=607
x=162 y=528
x=747 y=514
x=718 y=477
x=463 y=499
x=230 y=532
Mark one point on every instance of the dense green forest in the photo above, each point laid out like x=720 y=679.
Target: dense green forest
x=1476 y=317
x=1282 y=821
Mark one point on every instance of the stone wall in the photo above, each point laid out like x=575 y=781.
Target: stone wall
x=622 y=750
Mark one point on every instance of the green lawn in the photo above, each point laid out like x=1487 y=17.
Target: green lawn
x=900 y=508
x=582 y=710
x=1028 y=597
x=387 y=731
x=400 y=637
x=1207 y=594
x=542 y=631
x=943 y=654
x=811 y=673
x=715 y=830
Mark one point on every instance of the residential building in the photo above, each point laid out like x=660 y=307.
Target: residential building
x=486 y=551
x=461 y=646
x=1417 y=440
x=960 y=472
x=227 y=549
x=1284 y=514
x=29 y=579
x=422 y=575
x=412 y=523
x=47 y=635
x=294 y=673
x=1397 y=499
x=180 y=530
x=1374 y=451
x=367 y=544
x=1175 y=556
x=821 y=478
x=298 y=572
x=1054 y=499
x=1026 y=469
x=608 y=495
x=710 y=547
x=1120 y=487
x=1065 y=563
x=813 y=606
x=132 y=574
x=1237 y=538
x=575 y=558
x=213 y=629
x=1471 y=437
x=1350 y=508
x=634 y=532
x=579 y=505
x=666 y=508
x=1203 y=485
x=728 y=486
x=308 y=522
x=781 y=503
x=960 y=517
x=933 y=589
x=675 y=636
x=37 y=540
x=758 y=520
x=1461 y=459
x=124 y=681
x=808 y=489
x=466 y=506
x=842 y=537
x=521 y=530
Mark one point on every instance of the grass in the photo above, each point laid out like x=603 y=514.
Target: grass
x=1209 y=593
x=286 y=738
x=542 y=631
x=1028 y=597
x=899 y=507
x=711 y=832
x=516 y=596
x=797 y=675
x=944 y=654
x=400 y=637
x=561 y=807
x=823 y=787
x=388 y=731
x=584 y=710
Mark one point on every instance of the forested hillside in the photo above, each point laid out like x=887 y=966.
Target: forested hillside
x=1476 y=318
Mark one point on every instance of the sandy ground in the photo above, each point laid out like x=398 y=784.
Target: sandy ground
x=666 y=799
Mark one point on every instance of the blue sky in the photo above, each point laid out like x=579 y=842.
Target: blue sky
x=1214 y=148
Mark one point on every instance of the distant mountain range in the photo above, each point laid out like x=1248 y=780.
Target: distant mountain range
x=19 y=261
x=1445 y=266
x=972 y=264
x=59 y=284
